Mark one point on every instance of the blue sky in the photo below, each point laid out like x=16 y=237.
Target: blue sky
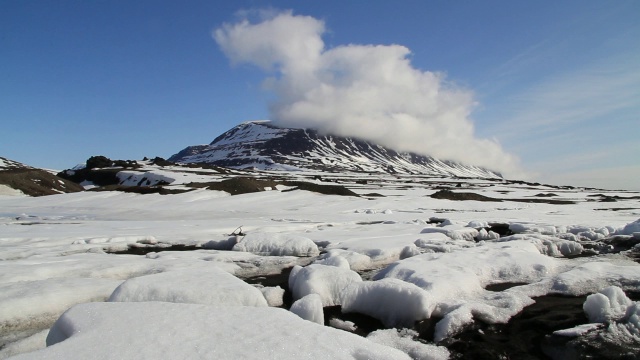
x=556 y=84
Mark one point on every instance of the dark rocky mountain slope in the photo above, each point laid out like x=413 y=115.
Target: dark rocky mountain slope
x=262 y=145
x=33 y=181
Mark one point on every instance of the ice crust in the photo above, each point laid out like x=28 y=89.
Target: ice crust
x=160 y=330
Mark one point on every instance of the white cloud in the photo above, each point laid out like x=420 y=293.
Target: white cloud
x=367 y=91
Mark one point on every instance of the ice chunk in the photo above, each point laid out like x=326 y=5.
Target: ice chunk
x=477 y=224
x=392 y=301
x=335 y=260
x=343 y=325
x=309 y=308
x=518 y=228
x=404 y=340
x=569 y=248
x=578 y=330
x=487 y=235
x=357 y=261
x=277 y=245
x=203 y=286
x=610 y=304
x=273 y=295
x=631 y=228
x=326 y=281
x=409 y=251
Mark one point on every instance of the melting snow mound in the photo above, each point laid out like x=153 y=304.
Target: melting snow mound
x=326 y=281
x=205 y=286
x=392 y=301
x=160 y=330
x=309 y=308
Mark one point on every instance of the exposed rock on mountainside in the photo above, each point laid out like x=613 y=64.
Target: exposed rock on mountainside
x=32 y=181
x=262 y=145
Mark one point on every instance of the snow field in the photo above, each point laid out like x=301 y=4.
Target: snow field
x=61 y=251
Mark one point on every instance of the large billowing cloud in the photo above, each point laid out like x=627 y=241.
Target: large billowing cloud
x=367 y=91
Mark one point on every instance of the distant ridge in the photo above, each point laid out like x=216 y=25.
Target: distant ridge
x=32 y=181
x=264 y=146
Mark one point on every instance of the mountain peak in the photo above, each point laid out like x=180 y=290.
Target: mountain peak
x=265 y=146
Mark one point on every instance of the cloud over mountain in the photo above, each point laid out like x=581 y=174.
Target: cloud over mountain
x=367 y=91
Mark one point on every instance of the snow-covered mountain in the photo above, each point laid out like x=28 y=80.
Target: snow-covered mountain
x=262 y=145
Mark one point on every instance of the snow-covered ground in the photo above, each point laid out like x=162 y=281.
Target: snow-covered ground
x=400 y=257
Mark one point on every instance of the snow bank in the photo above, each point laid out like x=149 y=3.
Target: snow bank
x=277 y=245
x=326 y=281
x=392 y=301
x=309 y=308
x=487 y=235
x=159 y=330
x=404 y=340
x=210 y=286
